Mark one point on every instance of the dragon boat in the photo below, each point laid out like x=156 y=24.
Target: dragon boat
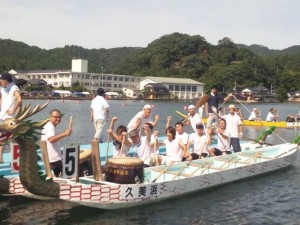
x=277 y=124
x=125 y=182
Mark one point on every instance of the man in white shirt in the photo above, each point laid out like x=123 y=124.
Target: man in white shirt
x=272 y=116
x=11 y=100
x=223 y=147
x=51 y=137
x=193 y=118
x=200 y=141
x=234 y=126
x=99 y=112
x=143 y=147
x=141 y=118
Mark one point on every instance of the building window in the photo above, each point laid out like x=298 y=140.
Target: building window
x=87 y=77
x=182 y=88
x=115 y=78
x=108 y=85
x=108 y=78
x=188 y=88
x=127 y=79
x=115 y=85
x=120 y=78
x=120 y=85
x=194 y=88
x=176 y=87
x=171 y=87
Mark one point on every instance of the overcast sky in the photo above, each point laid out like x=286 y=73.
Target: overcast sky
x=118 y=23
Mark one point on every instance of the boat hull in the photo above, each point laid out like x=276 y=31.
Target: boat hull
x=120 y=196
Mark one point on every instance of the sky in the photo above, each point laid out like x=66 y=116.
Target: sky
x=136 y=23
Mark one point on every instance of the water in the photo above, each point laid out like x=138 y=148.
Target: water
x=269 y=199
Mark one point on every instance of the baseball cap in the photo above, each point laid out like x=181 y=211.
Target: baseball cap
x=231 y=107
x=147 y=107
x=133 y=133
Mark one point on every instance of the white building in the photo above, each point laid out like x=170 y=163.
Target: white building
x=182 y=88
x=78 y=72
x=132 y=93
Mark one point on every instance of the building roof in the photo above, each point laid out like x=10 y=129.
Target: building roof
x=172 y=80
x=38 y=71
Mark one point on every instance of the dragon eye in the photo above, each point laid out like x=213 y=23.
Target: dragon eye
x=11 y=123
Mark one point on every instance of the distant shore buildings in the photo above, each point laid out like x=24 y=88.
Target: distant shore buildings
x=131 y=86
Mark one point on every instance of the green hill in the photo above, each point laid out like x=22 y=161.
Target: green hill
x=172 y=55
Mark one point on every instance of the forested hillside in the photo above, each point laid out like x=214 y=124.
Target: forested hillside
x=17 y=55
x=173 y=55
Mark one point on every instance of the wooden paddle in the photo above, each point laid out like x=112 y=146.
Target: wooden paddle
x=202 y=101
x=70 y=122
x=162 y=172
x=122 y=146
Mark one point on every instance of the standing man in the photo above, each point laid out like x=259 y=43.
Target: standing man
x=213 y=101
x=234 y=127
x=141 y=118
x=99 y=111
x=11 y=100
x=193 y=118
x=49 y=135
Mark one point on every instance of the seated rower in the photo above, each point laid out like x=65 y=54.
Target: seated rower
x=200 y=141
x=121 y=144
x=223 y=147
x=272 y=116
x=255 y=115
x=175 y=149
x=143 y=147
x=180 y=134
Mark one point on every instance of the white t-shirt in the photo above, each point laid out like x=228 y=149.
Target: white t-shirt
x=173 y=148
x=200 y=143
x=184 y=137
x=194 y=120
x=252 y=116
x=232 y=124
x=270 y=117
x=117 y=150
x=143 y=150
x=8 y=100
x=53 y=149
x=99 y=106
x=139 y=115
x=224 y=144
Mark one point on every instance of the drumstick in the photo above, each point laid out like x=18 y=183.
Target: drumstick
x=70 y=122
x=123 y=140
x=108 y=140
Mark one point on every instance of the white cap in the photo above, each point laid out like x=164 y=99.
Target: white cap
x=191 y=107
x=147 y=107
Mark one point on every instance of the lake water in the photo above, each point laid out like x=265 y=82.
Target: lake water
x=269 y=199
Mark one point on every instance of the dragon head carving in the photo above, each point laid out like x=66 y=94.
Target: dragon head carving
x=11 y=128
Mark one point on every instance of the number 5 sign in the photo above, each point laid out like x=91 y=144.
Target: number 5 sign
x=14 y=149
x=70 y=162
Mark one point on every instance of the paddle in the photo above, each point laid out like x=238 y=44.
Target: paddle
x=70 y=122
x=123 y=140
x=162 y=172
x=202 y=101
